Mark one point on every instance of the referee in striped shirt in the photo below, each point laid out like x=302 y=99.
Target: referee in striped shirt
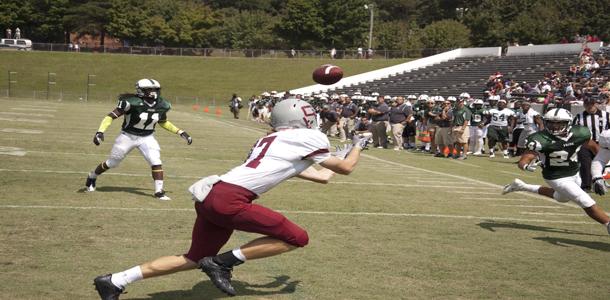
x=597 y=121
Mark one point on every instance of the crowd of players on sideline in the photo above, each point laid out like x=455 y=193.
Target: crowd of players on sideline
x=456 y=126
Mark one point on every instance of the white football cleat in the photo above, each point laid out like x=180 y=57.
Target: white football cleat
x=515 y=186
x=90 y=184
x=492 y=155
x=161 y=196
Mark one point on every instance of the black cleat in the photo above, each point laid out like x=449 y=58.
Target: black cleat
x=220 y=275
x=90 y=184
x=105 y=287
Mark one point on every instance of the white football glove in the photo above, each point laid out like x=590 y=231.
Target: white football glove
x=360 y=141
x=342 y=151
x=599 y=186
x=532 y=165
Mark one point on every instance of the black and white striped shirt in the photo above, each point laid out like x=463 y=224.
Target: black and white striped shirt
x=596 y=122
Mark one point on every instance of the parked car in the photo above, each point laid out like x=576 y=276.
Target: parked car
x=18 y=44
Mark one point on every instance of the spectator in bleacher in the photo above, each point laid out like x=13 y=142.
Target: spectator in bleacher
x=379 y=116
x=597 y=121
x=400 y=113
x=461 y=116
x=349 y=111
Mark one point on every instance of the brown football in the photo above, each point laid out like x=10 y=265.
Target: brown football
x=327 y=74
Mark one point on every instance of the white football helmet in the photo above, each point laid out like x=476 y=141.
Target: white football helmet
x=293 y=113
x=464 y=95
x=148 y=88
x=558 y=121
x=451 y=98
x=478 y=102
x=423 y=97
x=412 y=97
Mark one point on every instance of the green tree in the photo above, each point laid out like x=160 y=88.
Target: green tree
x=15 y=13
x=398 y=35
x=302 y=24
x=345 y=23
x=88 y=17
x=249 y=29
x=446 y=34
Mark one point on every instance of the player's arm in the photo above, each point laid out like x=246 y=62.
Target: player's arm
x=528 y=160
x=169 y=126
x=539 y=122
x=320 y=176
x=98 y=138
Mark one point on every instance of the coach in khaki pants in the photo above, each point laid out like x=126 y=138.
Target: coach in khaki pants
x=399 y=115
x=461 y=133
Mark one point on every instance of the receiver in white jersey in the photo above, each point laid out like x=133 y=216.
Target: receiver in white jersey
x=277 y=157
x=500 y=117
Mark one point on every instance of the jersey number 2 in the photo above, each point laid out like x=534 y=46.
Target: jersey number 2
x=264 y=143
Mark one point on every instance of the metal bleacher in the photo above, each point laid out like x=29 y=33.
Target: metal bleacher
x=465 y=74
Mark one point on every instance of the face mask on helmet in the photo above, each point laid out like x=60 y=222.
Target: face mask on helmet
x=148 y=89
x=560 y=128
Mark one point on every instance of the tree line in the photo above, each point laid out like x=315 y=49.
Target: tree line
x=309 y=24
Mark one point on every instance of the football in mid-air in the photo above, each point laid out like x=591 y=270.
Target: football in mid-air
x=327 y=74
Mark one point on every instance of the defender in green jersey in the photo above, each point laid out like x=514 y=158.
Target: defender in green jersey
x=142 y=112
x=557 y=148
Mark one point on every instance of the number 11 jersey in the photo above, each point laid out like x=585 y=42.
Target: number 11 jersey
x=277 y=157
x=559 y=155
x=141 y=117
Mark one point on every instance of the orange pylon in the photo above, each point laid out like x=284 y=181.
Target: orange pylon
x=206 y=109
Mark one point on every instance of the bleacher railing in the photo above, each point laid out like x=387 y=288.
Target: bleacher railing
x=249 y=53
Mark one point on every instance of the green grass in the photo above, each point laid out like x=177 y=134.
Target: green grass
x=182 y=78
x=399 y=227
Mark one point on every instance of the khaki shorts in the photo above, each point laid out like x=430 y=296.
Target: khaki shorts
x=443 y=136
x=460 y=135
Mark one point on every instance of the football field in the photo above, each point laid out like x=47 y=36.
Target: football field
x=402 y=226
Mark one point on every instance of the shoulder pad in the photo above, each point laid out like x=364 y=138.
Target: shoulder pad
x=164 y=103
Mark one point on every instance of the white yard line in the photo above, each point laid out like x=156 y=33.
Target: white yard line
x=522 y=174
x=551 y=214
x=23 y=120
x=325 y=213
x=493 y=199
x=21 y=131
x=529 y=206
x=475 y=193
x=26 y=114
x=34 y=109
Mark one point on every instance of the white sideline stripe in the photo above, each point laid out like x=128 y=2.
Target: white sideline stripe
x=23 y=120
x=25 y=114
x=34 y=109
x=551 y=214
x=25 y=131
x=499 y=187
x=335 y=213
x=529 y=206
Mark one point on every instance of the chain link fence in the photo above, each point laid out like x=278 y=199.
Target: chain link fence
x=248 y=53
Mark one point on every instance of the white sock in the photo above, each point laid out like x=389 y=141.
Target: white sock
x=158 y=185
x=92 y=175
x=237 y=252
x=505 y=152
x=427 y=146
x=533 y=188
x=122 y=279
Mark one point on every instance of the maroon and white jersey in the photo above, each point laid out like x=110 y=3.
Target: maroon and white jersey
x=279 y=156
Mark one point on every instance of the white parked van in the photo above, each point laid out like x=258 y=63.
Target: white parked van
x=17 y=44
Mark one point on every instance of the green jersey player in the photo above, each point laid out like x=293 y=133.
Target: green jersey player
x=142 y=112
x=557 y=148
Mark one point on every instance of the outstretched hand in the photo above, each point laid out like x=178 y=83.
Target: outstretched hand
x=98 y=138
x=342 y=151
x=187 y=137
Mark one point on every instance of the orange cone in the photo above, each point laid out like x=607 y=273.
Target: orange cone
x=206 y=109
x=218 y=111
